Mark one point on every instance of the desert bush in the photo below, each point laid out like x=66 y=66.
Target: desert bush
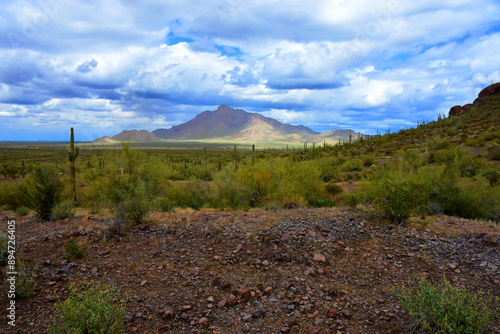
x=25 y=285
x=41 y=191
x=63 y=211
x=467 y=202
x=72 y=249
x=187 y=195
x=396 y=201
x=230 y=188
x=446 y=309
x=368 y=160
x=351 y=166
x=163 y=204
x=4 y=241
x=96 y=309
x=9 y=197
x=133 y=200
x=22 y=211
x=333 y=189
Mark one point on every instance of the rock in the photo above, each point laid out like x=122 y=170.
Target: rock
x=211 y=299
x=222 y=303
x=341 y=243
x=247 y=318
x=186 y=307
x=203 y=321
x=455 y=110
x=292 y=321
x=258 y=314
x=268 y=290
x=346 y=313
x=424 y=247
x=332 y=313
x=490 y=90
x=238 y=248
x=313 y=330
x=265 y=263
x=106 y=252
x=143 y=283
x=319 y=257
x=168 y=314
x=232 y=300
x=243 y=291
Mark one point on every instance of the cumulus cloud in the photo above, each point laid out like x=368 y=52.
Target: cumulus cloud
x=120 y=64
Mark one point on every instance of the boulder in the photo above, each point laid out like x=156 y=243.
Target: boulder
x=455 y=110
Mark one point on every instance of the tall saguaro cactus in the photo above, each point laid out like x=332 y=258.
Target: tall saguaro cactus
x=72 y=155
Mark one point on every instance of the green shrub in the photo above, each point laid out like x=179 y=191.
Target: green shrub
x=368 y=160
x=134 y=200
x=41 y=191
x=9 y=197
x=25 y=285
x=351 y=166
x=396 y=201
x=446 y=309
x=96 y=309
x=4 y=247
x=63 y=211
x=72 y=249
x=455 y=201
x=333 y=189
x=22 y=211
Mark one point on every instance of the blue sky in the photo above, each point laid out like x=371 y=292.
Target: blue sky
x=109 y=65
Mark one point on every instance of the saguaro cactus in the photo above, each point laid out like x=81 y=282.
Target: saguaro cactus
x=205 y=157
x=72 y=155
x=253 y=153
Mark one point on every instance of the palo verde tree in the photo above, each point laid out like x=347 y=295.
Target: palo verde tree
x=72 y=155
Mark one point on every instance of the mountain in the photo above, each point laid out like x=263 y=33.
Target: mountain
x=130 y=135
x=226 y=124
x=235 y=125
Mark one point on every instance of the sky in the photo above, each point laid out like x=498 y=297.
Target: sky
x=109 y=65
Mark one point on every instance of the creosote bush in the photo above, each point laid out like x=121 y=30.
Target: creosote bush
x=96 y=309
x=446 y=309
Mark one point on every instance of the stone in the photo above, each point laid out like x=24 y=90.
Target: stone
x=243 y=291
x=424 y=247
x=143 y=283
x=313 y=330
x=317 y=257
x=268 y=290
x=231 y=300
x=203 y=321
x=332 y=313
x=186 y=307
x=222 y=303
x=247 y=318
x=258 y=314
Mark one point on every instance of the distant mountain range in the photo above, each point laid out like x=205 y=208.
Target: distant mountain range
x=226 y=124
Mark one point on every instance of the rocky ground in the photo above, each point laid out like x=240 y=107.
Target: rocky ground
x=292 y=271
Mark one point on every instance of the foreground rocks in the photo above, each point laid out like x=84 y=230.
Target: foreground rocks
x=295 y=271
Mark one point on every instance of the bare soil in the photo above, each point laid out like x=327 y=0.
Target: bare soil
x=292 y=271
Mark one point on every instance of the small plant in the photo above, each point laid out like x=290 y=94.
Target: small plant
x=446 y=309
x=25 y=285
x=72 y=249
x=96 y=309
x=22 y=211
x=63 y=211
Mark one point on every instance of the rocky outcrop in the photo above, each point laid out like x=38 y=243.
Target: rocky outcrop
x=487 y=92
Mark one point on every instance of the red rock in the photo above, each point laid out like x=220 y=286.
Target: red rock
x=332 y=313
x=203 y=321
x=222 y=303
x=313 y=330
x=319 y=257
x=243 y=291
x=143 y=283
x=268 y=290
x=186 y=307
